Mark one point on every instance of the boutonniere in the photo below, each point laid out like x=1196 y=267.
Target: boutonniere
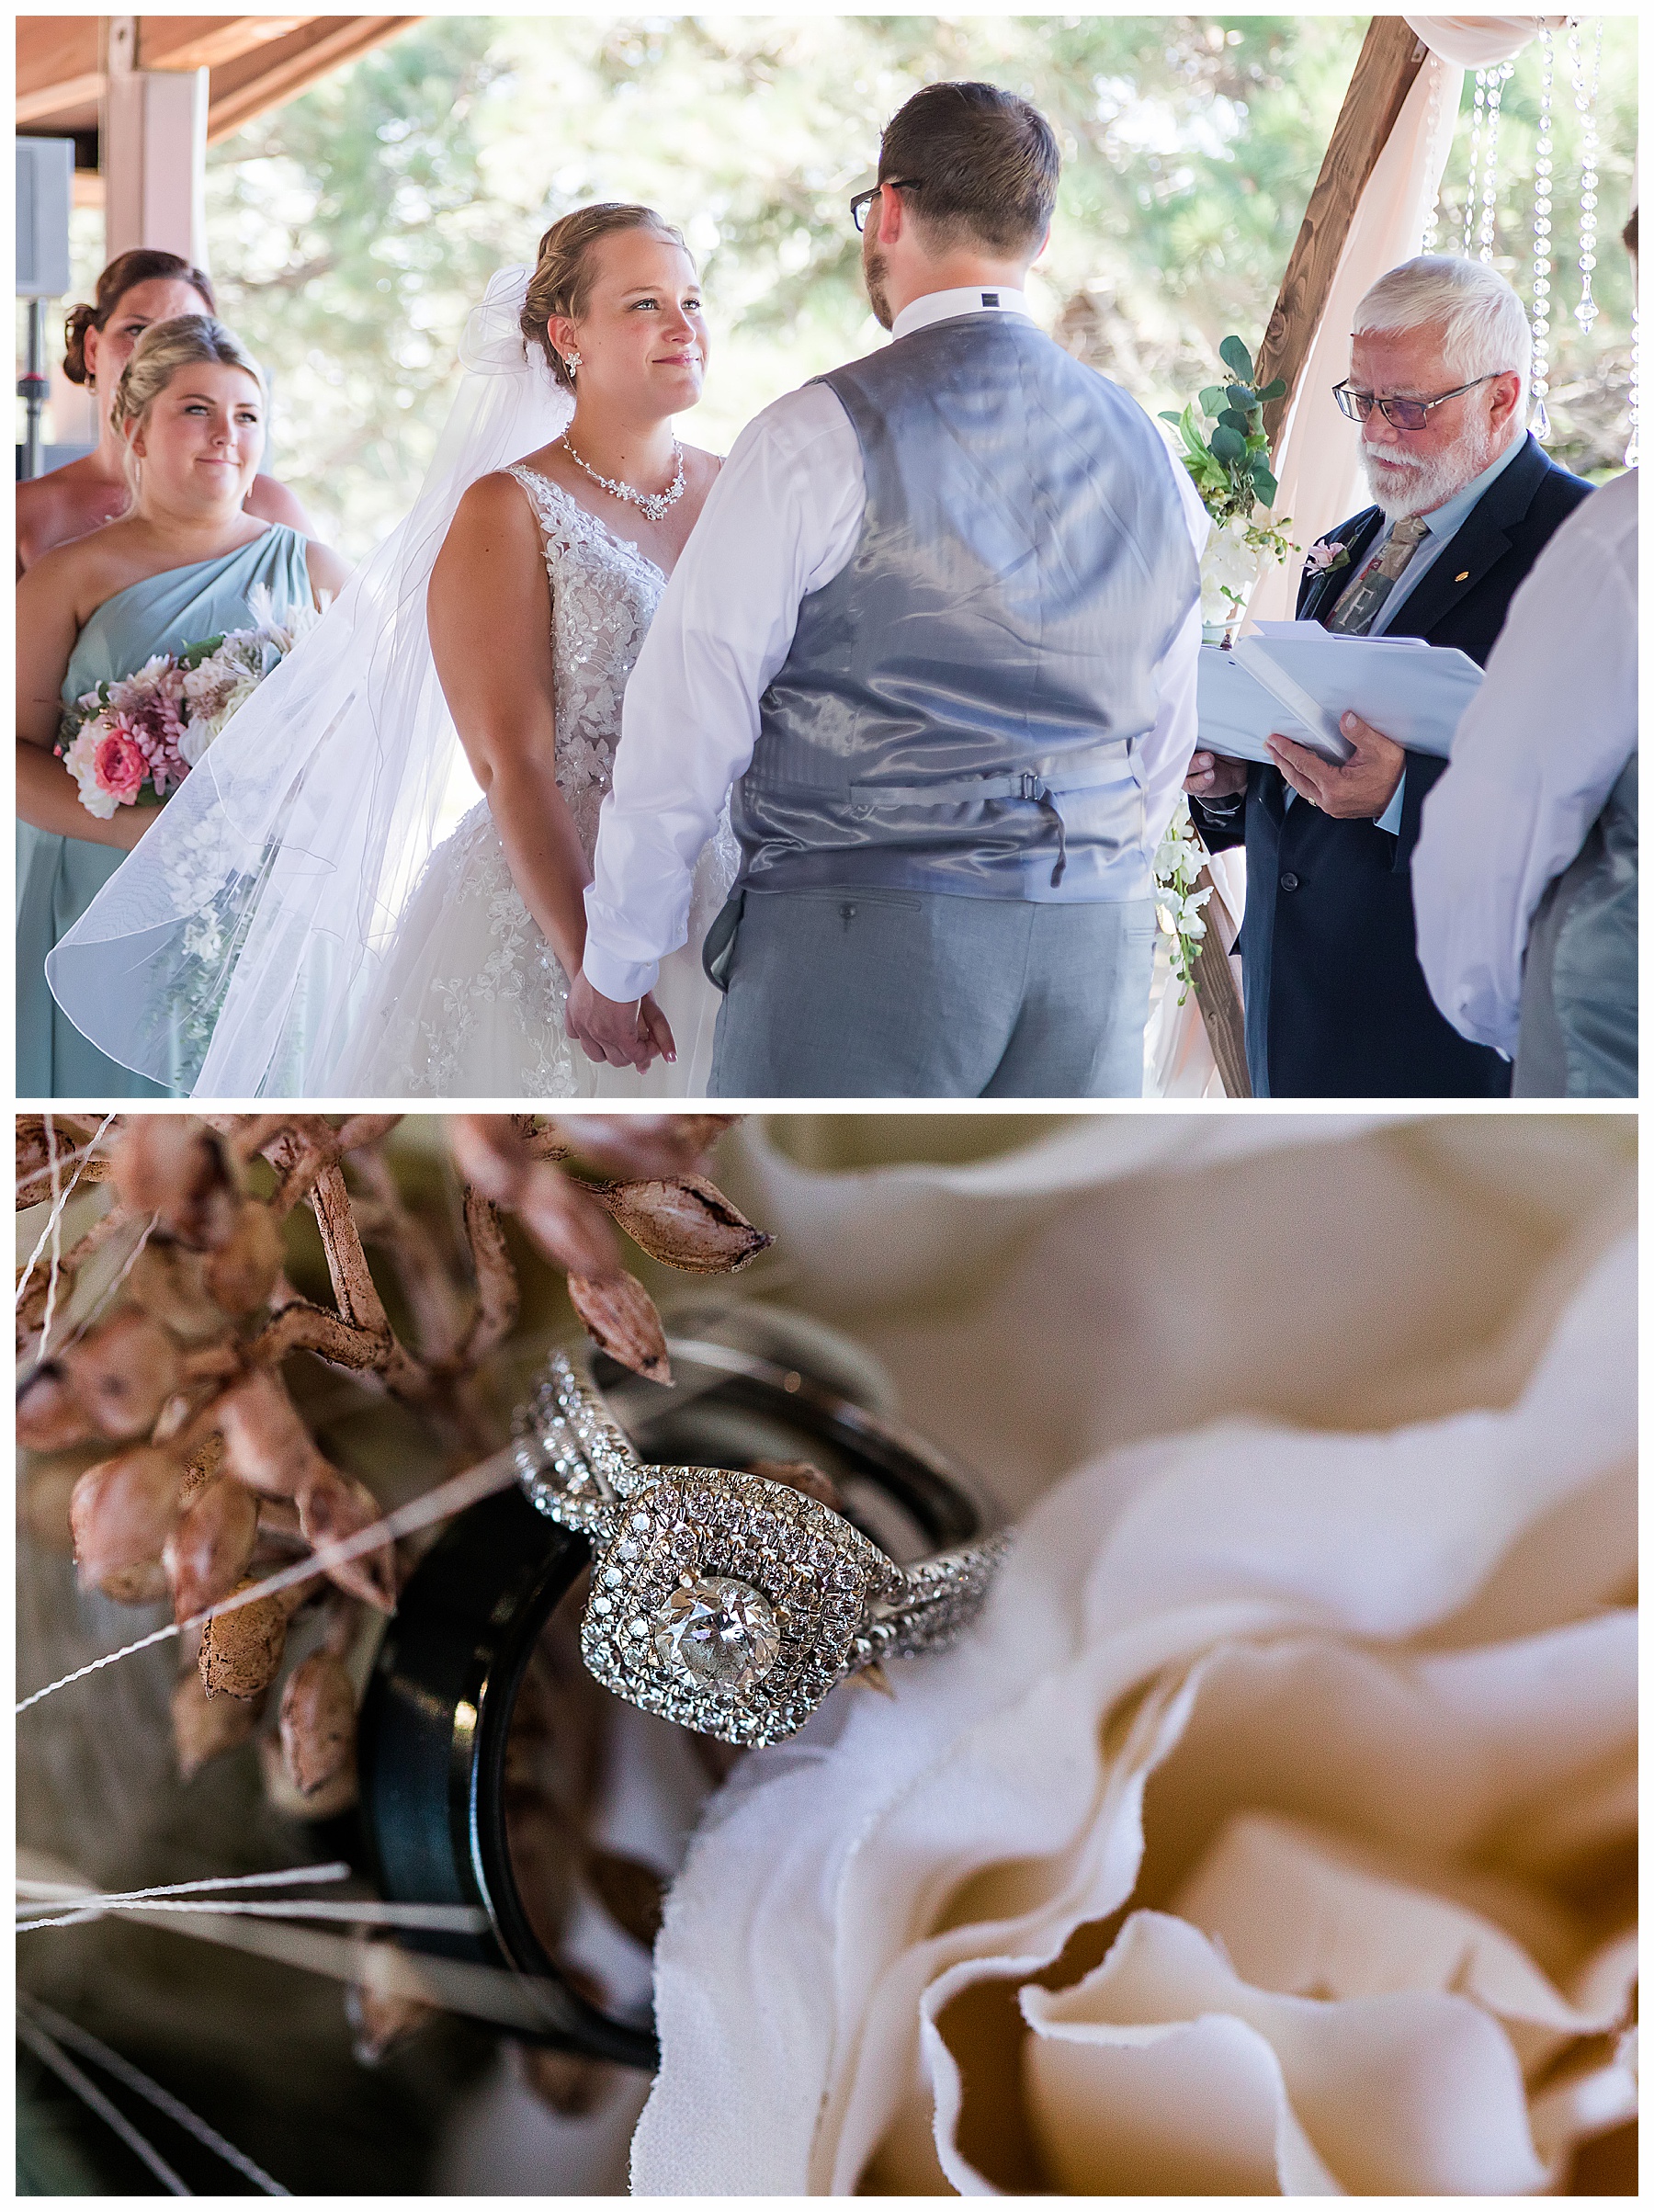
x=1325 y=555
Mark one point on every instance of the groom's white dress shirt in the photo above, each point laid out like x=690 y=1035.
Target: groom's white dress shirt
x=781 y=520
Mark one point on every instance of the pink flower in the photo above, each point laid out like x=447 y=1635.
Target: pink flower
x=1325 y=553
x=119 y=762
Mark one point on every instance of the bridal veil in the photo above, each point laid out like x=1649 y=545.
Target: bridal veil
x=239 y=940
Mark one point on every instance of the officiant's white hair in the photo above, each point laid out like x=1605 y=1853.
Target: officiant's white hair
x=1485 y=324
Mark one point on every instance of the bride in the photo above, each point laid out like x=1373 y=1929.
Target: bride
x=299 y=924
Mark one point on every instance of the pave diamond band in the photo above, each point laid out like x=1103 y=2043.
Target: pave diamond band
x=723 y=1600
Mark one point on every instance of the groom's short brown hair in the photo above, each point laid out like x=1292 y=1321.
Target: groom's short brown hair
x=985 y=163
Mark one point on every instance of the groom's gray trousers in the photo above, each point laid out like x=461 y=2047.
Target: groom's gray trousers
x=878 y=993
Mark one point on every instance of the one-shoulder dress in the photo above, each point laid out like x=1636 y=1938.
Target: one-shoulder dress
x=59 y=877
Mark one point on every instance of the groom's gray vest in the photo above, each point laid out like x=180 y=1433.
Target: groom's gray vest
x=964 y=704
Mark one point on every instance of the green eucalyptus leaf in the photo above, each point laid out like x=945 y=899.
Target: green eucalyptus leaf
x=1226 y=444
x=1233 y=419
x=1274 y=389
x=1170 y=415
x=1266 y=485
x=1242 y=396
x=1233 y=355
x=1212 y=397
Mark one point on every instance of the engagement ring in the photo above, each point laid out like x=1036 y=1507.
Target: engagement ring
x=724 y=1600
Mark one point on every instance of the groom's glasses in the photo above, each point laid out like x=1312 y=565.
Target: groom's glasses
x=863 y=201
x=1406 y=414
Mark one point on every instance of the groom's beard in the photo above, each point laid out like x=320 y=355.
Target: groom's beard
x=875 y=269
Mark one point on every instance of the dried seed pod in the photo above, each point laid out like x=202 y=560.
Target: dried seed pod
x=205 y=1726
x=621 y=1318
x=266 y=1444
x=634 y=1145
x=687 y=1222
x=564 y=1219
x=123 y=1371
x=169 y=1281
x=332 y=1799
x=31 y=1313
x=630 y=1893
x=563 y=2081
x=240 y=1275
x=318 y=1723
x=173 y=1165
x=332 y=1507
x=121 y=1513
x=240 y=1652
x=207 y=1553
x=800 y=1475
x=382 y=2006
x=50 y=1418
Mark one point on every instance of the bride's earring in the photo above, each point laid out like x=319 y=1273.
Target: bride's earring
x=570 y=362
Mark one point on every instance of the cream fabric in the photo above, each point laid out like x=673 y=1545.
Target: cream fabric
x=1307 y=1697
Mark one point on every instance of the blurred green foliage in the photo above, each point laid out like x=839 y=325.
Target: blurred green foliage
x=352 y=229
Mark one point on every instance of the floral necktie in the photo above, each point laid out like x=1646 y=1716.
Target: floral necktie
x=1359 y=604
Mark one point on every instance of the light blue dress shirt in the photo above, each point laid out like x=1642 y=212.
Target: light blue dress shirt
x=1441 y=525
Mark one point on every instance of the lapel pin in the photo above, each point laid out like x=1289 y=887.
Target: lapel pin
x=1462 y=575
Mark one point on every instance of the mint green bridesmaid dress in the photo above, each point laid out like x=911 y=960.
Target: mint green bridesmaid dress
x=59 y=877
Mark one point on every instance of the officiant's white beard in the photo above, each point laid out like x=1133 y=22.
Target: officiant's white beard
x=1403 y=485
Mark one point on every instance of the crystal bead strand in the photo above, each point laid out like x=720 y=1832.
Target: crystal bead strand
x=1497 y=80
x=1475 y=132
x=1433 y=221
x=1585 y=314
x=1540 y=423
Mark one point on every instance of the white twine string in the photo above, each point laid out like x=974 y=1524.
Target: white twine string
x=451 y=1920
x=65 y=2032
x=58 y=1893
x=59 y=1200
x=82 y=1153
x=450 y=1497
x=47 y=2051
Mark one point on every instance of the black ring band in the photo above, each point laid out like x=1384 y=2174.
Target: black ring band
x=438 y=1713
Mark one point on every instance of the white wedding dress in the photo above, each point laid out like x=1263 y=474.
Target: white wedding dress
x=470 y=1000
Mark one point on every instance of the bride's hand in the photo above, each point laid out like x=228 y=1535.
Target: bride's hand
x=628 y=1034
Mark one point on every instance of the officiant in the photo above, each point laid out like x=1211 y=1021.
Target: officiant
x=1463 y=501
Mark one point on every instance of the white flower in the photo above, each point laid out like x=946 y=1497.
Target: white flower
x=1265 y=1836
x=1228 y=569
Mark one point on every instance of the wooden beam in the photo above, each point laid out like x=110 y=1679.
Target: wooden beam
x=207 y=42
x=1391 y=56
x=58 y=58
x=1215 y=993
x=245 y=89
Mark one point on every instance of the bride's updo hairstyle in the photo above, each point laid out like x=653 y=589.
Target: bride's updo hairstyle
x=561 y=282
x=160 y=352
x=143 y=265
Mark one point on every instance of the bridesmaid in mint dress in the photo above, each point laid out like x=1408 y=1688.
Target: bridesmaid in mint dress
x=178 y=567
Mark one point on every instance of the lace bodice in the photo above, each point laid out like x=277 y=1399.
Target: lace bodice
x=472 y=999
x=603 y=596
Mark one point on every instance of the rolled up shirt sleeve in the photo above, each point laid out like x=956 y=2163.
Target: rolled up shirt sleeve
x=1533 y=760
x=1169 y=744
x=780 y=521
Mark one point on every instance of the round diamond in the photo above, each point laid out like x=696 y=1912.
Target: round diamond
x=718 y=1635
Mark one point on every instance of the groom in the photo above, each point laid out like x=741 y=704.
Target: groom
x=938 y=624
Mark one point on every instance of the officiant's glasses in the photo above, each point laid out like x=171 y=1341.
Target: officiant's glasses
x=1406 y=414
x=863 y=201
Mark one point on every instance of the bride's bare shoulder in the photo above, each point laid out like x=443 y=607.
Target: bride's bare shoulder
x=493 y=506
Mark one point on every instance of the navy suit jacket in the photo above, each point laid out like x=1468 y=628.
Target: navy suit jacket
x=1336 y=1002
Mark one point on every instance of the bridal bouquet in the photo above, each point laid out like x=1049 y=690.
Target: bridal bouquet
x=132 y=742
x=1230 y=466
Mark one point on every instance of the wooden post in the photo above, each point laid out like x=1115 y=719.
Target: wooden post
x=1390 y=58
x=1216 y=995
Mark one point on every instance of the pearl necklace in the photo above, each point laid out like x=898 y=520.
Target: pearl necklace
x=652 y=505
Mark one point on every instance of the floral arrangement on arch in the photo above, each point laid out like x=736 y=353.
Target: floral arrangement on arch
x=1232 y=471
x=131 y=742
